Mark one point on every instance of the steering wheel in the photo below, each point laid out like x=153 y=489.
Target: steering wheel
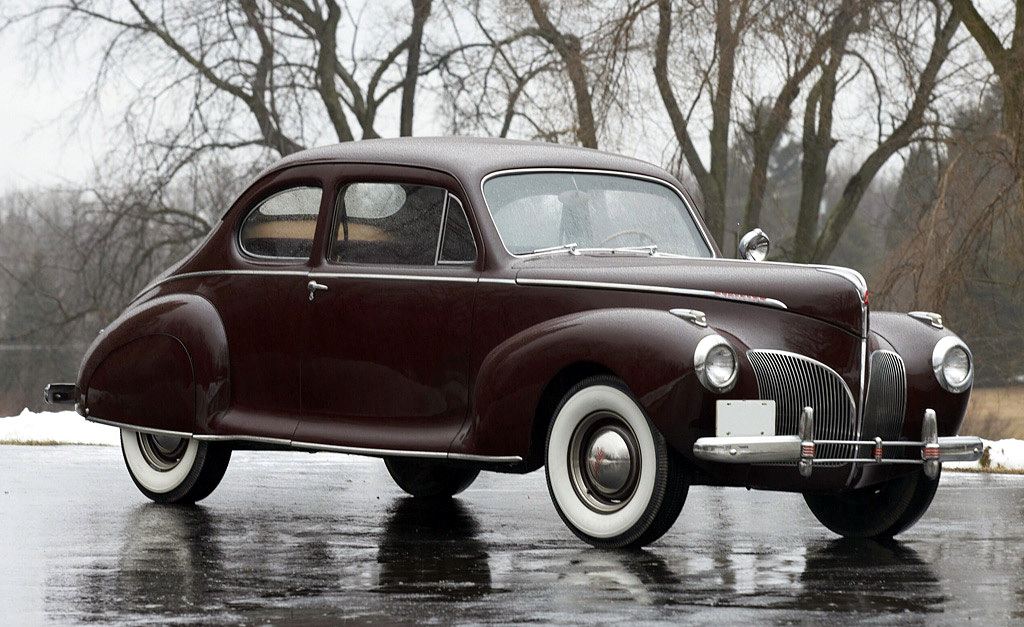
x=644 y=234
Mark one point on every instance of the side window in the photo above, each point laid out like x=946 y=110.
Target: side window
x=282 y=226
x=457 y=245
x=387 y=223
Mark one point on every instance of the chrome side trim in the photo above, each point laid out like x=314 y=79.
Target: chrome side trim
x=242 y=438
x=694 y=214
x=352 y=450
x=373 y=452
x=495 y=459
x=656 y=289
x=383 y=452
x=310 y=274
x=497 y=281
x=150 y=430
x=202 y=273
x=392 y=277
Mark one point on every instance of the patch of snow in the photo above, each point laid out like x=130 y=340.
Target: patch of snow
x=63 y=427
x=999 y=456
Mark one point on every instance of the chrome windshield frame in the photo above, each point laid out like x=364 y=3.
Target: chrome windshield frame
x=691 y=210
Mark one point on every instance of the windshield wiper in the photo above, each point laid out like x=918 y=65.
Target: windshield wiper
x=650 y=249
x=572 y=248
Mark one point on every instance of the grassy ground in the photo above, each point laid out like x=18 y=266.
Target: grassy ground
x=996 y=413
x=31 y=442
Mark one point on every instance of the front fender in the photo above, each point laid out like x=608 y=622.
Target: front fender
x=650 y=350
x=914 y=340
x=161 y=364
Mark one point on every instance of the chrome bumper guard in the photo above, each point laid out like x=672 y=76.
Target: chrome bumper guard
x=801 y=448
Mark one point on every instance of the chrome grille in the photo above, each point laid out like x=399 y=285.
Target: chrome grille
x=886 y=402
x=794 y=382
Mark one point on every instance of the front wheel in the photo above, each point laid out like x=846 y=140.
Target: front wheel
x=878 y=511
x=612 y=477
x=169 y=469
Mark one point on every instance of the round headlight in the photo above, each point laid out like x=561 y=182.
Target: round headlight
x=716 y=364
x=953 y=364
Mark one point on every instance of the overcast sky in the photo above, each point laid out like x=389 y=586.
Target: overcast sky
x=42 y=140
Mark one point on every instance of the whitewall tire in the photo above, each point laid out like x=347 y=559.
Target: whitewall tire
x=168 y=469
x=611 y=475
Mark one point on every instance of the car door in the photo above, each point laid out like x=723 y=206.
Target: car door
x=387 y=351
x=260 y=297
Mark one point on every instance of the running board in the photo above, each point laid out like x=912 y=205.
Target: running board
x=313 y=446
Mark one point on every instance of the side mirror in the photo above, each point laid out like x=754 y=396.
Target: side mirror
x=754 y=246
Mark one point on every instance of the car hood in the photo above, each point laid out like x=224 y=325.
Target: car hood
x=829 y=293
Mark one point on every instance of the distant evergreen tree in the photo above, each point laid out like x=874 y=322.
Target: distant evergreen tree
x=915 y=194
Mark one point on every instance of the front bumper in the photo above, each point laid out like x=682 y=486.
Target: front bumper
x=801 y=448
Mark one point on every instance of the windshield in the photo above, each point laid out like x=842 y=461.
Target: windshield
x=573 y=211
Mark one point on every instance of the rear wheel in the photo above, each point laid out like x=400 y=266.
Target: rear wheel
x=879 y=511
x=612 y=477
x=426 y=478
x=169 y=469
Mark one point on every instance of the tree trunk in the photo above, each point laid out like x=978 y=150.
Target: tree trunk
x=766 y=134
x=817 y=148
x=420 y=13
x=570 y=51
x=855 y=188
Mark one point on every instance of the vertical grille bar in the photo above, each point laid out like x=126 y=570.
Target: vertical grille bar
x=794 y=382
x=886 y=403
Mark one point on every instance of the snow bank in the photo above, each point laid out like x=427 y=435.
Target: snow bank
x=62 y=427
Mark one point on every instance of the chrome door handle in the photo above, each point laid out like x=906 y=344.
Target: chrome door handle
x=313 y=286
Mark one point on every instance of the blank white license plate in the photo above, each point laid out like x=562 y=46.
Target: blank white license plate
x=743 y=418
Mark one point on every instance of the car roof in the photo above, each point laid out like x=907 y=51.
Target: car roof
x=469 y=158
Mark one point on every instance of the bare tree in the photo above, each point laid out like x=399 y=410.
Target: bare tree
x=297 y=69
x=1008 y=64
x=908 y=27
x=731 y=18
x=561 y=69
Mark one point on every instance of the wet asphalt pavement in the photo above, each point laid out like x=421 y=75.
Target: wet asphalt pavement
x=299 y=539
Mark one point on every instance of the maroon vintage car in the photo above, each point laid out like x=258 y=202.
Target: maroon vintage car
x=456 y=305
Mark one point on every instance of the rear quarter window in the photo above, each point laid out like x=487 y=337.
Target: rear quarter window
x=282 y=226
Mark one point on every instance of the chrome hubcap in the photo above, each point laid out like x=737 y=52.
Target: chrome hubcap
x=162 y=452
x=604 y=461
x=609 y=461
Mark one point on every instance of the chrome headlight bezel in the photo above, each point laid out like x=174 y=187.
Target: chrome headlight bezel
x=704 y=349
x=942 y=348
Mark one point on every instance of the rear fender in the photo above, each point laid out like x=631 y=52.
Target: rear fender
x=161 y=364
x=650 y=350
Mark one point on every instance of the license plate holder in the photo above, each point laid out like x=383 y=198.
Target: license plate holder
x=738 y=418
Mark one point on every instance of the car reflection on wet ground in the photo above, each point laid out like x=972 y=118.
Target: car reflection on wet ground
x=299 y=539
